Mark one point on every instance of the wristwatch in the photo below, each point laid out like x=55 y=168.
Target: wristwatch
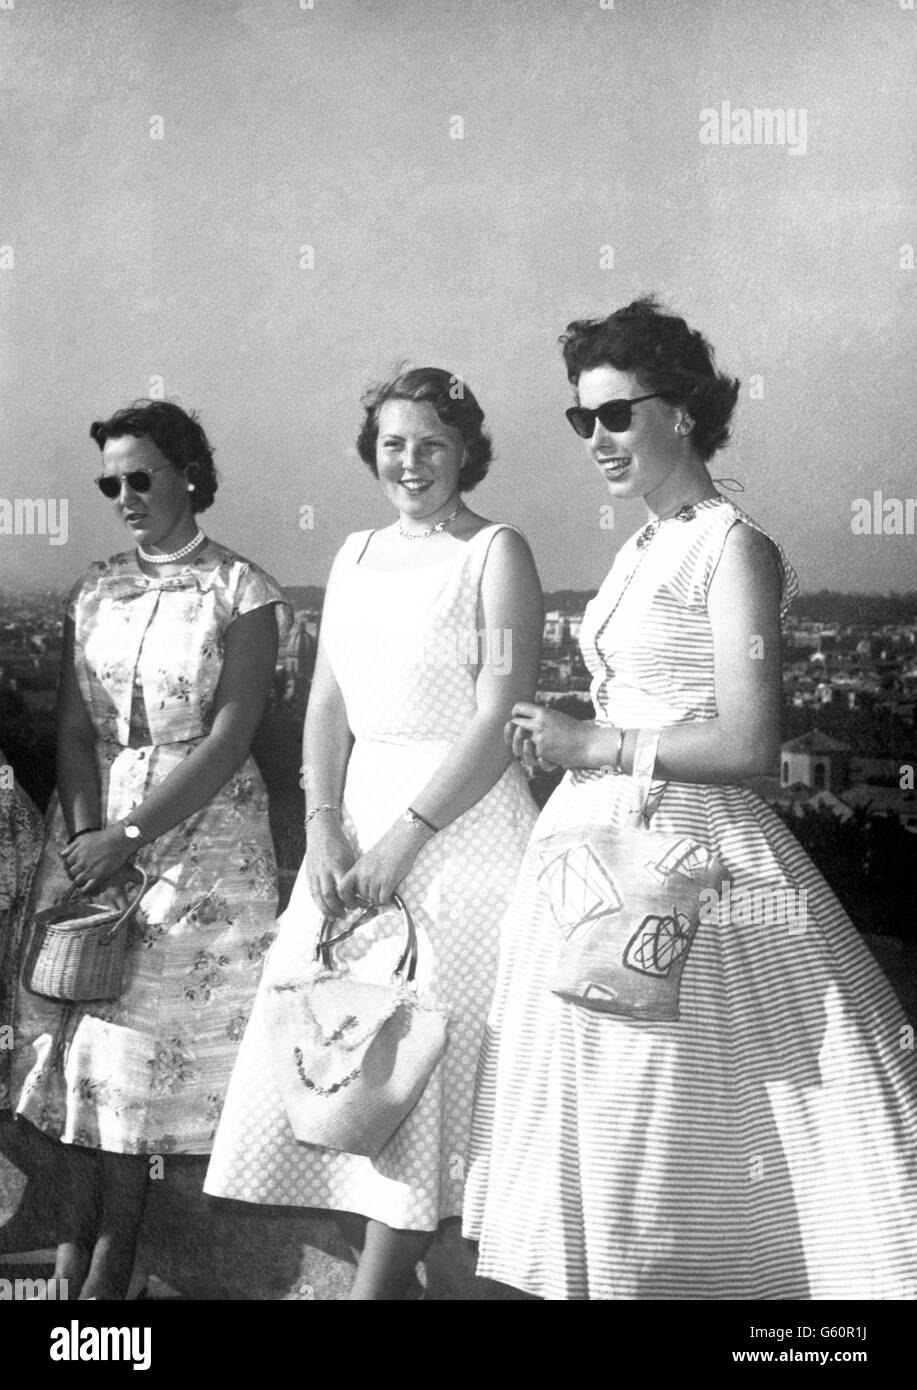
x=133 y=832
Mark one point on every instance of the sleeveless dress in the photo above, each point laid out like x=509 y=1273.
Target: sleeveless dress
x=765 y=1145
x=404 y=647
x=146 y=1073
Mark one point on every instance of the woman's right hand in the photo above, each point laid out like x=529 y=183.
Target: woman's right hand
x=329 y=856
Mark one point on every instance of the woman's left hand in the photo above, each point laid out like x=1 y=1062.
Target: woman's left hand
x=543 y=738
x=92 y=859
x=377 y=873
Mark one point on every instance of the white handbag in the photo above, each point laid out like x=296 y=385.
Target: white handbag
x=352 y=1057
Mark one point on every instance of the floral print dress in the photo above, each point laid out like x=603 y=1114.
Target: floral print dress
x=20 y=845
x=146 y=1073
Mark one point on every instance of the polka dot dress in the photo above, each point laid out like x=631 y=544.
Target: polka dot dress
x=405 y=648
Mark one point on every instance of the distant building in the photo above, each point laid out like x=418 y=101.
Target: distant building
x=297 y=657
x=556 y=630
x=803 y=638
x=887 y=802
x=816 y=761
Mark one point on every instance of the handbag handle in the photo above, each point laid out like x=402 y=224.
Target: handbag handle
x=645 y=750
x=132 y=906
x=407 y=963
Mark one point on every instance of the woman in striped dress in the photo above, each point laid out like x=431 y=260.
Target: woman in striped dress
x=762 y=1146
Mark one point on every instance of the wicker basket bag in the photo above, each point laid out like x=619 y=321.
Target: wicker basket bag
x=76 y=949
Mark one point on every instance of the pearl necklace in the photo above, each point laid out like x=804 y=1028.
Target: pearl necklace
x=175 y=555
x=431 y=530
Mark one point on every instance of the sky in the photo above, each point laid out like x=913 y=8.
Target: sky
x=259 y=209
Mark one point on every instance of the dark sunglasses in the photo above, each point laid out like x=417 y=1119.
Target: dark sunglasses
x=138 y=480
x=614 y=415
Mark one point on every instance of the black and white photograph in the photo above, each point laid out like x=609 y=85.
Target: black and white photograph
x=458 y=664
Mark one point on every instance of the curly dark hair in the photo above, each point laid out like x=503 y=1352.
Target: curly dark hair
x=666 y=356
x=177 y=434
x=454 y=403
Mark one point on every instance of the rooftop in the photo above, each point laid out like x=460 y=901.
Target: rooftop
x=815 y=742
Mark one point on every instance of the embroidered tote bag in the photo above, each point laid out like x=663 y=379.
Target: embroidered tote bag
x=627 y=905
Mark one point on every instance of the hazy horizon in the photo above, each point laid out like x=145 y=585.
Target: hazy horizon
x=904 y=595
x=260 y=208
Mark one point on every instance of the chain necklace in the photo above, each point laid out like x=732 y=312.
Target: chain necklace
x=431 y=530
x=175 y=555
x=686 y=512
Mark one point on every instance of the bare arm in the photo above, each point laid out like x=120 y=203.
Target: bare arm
x=249 y=657
x=511 y=642
x=513 y=613
x=327 y=741
x=743 y=739
x=744 y=609
x=77 y=773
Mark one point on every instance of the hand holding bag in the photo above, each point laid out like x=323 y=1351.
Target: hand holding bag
x=76 y=950
x=627 y=903
x=352 y=1057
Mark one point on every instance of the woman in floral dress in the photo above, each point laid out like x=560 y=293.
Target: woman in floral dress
x=169 y=652
x=20 y=846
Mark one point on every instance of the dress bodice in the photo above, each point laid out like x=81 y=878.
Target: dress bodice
x=161 y=638
x=646 y=636
x=406 y=646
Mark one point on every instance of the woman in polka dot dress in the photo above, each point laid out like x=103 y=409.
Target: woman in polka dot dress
x=431 y=631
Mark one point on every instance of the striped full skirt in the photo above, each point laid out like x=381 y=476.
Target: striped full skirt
x=763 y=1147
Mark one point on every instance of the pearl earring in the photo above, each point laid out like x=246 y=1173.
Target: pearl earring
x=190 y=487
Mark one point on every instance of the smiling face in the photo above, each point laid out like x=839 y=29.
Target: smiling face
x=419 y=460
x=649 y=459
x=160 y=519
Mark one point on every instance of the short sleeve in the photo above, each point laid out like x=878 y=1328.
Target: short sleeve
x=85 y=584
x=256 y=589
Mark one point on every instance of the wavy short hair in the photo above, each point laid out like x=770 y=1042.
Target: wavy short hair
x=177 y=434
x=454 y=403
x=666 y=356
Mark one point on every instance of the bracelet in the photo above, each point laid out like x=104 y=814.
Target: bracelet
x=619 y=750
x=88 y=830
x=325 y=806
x=419 y=822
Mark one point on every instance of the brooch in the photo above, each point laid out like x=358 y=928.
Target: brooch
x=686 y=513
